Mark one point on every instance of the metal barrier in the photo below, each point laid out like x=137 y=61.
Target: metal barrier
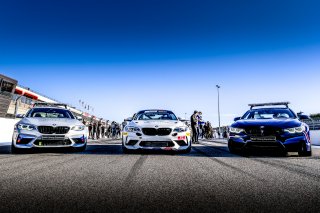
x=313 y=124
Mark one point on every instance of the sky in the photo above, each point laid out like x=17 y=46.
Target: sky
x=122 y=56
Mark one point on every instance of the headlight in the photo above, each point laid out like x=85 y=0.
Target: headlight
x=78 y=128
x=28 y=127
x=180 y=129
x=299 y=129
x=236 y=130
x=132 y=129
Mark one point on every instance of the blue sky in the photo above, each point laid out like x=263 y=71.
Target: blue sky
x=122 y=56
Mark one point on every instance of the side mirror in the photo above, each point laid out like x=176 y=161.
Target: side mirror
x=128 y=119
x=304 y=117
x=79 y=118
x=20 y=116
x=237 y=118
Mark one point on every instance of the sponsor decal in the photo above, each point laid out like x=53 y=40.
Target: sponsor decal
x=181 y=138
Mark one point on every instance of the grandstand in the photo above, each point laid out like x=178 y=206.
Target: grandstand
x=16 y=99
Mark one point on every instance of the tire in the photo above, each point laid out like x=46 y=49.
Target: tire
x=125 y=150
x=15 y=150
x=187 y=151
x=232 y=150
x=245 y=153
x=303 y=151
x=80 y=149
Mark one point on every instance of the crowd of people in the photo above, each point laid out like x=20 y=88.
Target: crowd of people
x=103 y=129
x=200 y=128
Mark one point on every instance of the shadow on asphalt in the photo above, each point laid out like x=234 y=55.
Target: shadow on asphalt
x=116 y=149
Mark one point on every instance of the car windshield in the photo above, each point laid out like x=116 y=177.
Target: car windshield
x=156 y=115
x=50 y=113
x=269 y=114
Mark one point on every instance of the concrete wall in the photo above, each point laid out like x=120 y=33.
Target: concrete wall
x=6 y=130
x=315 y=137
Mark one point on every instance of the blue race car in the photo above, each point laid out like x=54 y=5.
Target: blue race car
x=270 y=126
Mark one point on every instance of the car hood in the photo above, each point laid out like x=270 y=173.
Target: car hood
x=157 y=124
x=51 y=121
x=280 y=123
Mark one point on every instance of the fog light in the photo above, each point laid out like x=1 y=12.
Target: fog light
x=174 y=134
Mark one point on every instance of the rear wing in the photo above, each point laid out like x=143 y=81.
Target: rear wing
x=286 y=104
x=38 y=104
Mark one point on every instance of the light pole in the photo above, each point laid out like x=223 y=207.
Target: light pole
x=218 y=87
x=185 y=116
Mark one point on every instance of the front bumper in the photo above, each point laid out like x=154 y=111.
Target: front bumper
x=139 y=141
x=33 y=139
x=286 y=142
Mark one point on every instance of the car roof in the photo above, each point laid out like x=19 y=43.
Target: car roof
x=154 y=110
x=268 y=107
x=49 y=108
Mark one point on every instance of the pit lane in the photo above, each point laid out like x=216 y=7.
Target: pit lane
x=103 y=179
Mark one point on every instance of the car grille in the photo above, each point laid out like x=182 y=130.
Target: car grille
x=154 y=132
x=267 y=131
x=53 y=137
x=52 y=142
x=156 y=144
x=53 y=130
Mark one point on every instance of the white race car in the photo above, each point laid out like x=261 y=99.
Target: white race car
x=49 y=127
x=156 y=130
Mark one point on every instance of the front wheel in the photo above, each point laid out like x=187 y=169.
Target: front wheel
x=232 y=150
x=80 y=149
x=15 y=150
x=186 y=151
x=303 y=151
x=125 y=150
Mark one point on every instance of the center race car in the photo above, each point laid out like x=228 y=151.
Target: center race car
x=270 y=126
x=156 y=130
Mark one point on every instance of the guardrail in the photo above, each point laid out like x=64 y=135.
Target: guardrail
x=313 y=124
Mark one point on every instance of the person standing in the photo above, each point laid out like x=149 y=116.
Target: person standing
x=113 y=129
x=194 y=126
x=99 y=128
x=118 y=131
x=90 y=130
x=124 y=123
x=200 y=125
x=103 y=130
x=107 y=129
x=94 y=130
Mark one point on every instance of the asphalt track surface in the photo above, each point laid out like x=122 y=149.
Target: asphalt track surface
x=209 y=179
